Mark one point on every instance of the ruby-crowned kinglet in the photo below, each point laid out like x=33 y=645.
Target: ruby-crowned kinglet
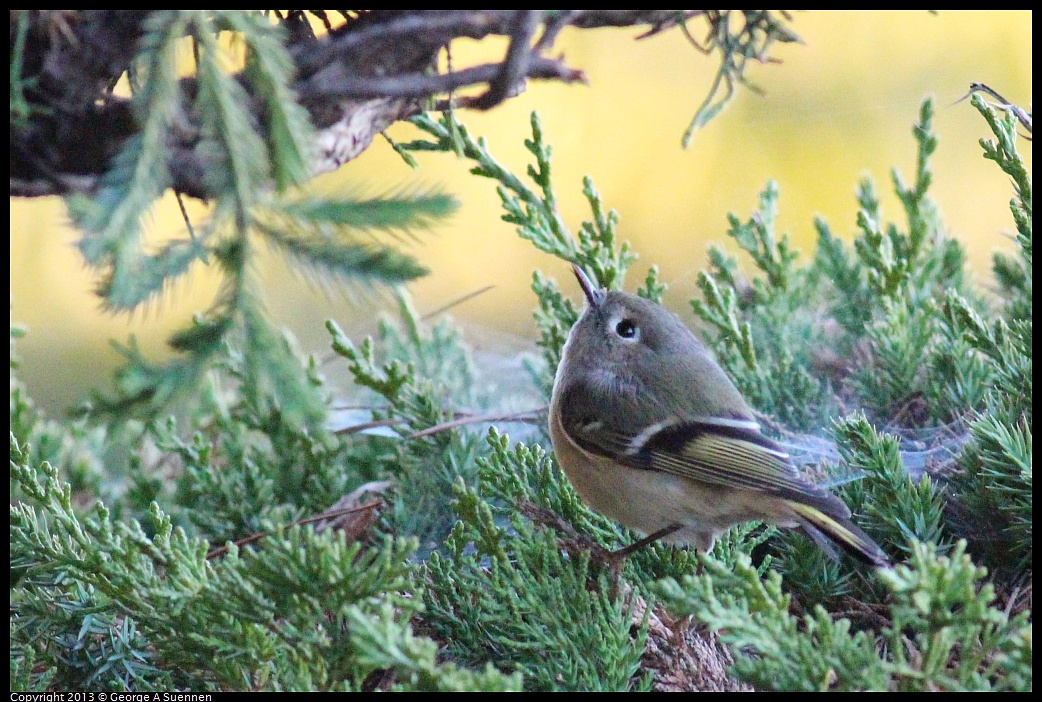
x=653 y=434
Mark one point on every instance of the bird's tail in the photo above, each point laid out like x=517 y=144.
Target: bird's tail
x=828 y=529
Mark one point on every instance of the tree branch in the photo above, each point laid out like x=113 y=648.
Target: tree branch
x=355 y=81
x=418 y=85
x=515 y=67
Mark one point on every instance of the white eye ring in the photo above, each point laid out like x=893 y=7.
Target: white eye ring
x=625 y=328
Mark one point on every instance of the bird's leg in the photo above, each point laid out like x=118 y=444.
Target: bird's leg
x=612 y=560
x=623 y=553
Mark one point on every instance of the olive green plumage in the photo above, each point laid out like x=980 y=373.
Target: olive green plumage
x=652 y=433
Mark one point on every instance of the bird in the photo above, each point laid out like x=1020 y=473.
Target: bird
x=653 y=434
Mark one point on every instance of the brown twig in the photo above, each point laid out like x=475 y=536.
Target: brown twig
x=449 y=24
x=526 y=416
x=1022 y=115
x=515 y=66
x=459 y=419
x=222 y=550
x=338 y=84
x=553 y=27
x=458 y=301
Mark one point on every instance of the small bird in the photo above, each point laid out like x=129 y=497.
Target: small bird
x=653 y=434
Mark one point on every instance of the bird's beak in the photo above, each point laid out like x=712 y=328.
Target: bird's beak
x=594 y=294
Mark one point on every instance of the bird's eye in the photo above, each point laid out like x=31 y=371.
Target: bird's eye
x=626 y=329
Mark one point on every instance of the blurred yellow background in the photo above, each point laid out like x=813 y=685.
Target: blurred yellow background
x=839 y=107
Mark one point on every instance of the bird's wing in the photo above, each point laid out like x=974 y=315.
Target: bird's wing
x=730 y=452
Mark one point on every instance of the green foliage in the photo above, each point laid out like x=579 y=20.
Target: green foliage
x=483 y=544
x=773 y=648
x=274 y=472
x=1014 y=275
x=245 y=159
x=785 y=337
x=764 y=335
x=739 y=36
x=757 y=238
x=889 y=496
x=917 y=362
x=1006 y=346
x=523 y=574
x=946 y=633
x=383 y=646
x=953 y=635
x=554 y=319
x=506 y=592
x=995 y=478
x=420 y=377
x=299 y=610
x=268 y=69
x=139 y=173
x=534 y=210
x=815 y=577
x=893 y=385
x=897 y=508
x=995 y=513
x=20 y=109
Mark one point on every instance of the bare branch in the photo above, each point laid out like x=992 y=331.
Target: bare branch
x=514 y=69
x=554 y=25
x=419 y=85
